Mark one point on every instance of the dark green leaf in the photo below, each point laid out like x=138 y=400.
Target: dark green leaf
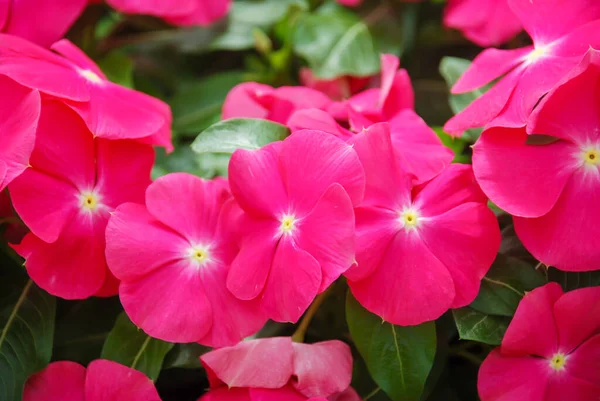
x=118 y=68
x=238 y=133
x=130 y=346
x=398 y=358
x=185 y=356
x=573 y=280
x=184 y=159
x=457 y=145
x=504 y=286
x=477 y=326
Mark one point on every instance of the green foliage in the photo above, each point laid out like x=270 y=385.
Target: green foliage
x=118 y=68
x=476 y=326
x=398 y=358
x=130 y=346
x=573 y=280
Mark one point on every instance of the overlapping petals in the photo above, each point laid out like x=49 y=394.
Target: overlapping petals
x=176 y=12
x=420 y=249
x=102 y=380
x=180 y=244
x=550 y=350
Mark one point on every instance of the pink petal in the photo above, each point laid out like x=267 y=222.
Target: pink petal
x=189 y=313
x=489 y=65
x=533 y=330
x=293 y=283
x=410 y=286
x=226 y=394
x=400 y=97
x=110 y=287
x=256 y=182
x=137 y=244
x=205 y=13
x=327 y=233
x=4 y=12
x=303 y=98
x=347 y=395
x=67 y=49
x=160 y=8
x=265 y=363
x=566 y=387
x=568 y=240
x=280 y=394
x=524 y=180
x=241 y=102
x=19 y=115
x=310 y=161
x=316 y=119
x=389 y=65
x=322 y=369
x=108 y=380
x=583 y=362
x=577 y=315
x=520 y=378
x=60 y=381
x=82 y=273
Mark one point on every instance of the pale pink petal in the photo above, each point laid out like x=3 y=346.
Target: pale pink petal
x=519 y=378
x=320 y=120
x=582 y=363
x=577 y=315
x=322 y=369
x=410 y=286
x=265 y=363
x=137 y=243
x=533 y=330
x=188 y=313
x=327 y=233
x=226 y=394
x=241 y=101
x=293 y=283
x=110 y=381
x=286 y=393
x=59 y=381
x=205 y=13
x=524 y=180
x=310 y=161
x=19 y=115
x=564 y=237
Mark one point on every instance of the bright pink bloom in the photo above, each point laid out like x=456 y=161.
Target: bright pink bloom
x=102 y=381
x=180 y=244
x=550 y=351
x=19 y=115
x=553 y=189
x=39 y=21
x=109 y=110
x=419 y=150
x=420 y=249
x=562 y=32
x=297 y=232
x=254 y=100
x=65 y=198
x=485 y=22
x=349 y=3
x=176 y=12
x=274 y=369
x=337 y=89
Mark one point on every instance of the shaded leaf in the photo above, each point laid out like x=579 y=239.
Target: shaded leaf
x=456 y=145
x=185 y=356
x=573 y=280
x=539 y=139
x=184 y=159
x=118 y=68
x=476 y=326
x=130 y=346
x=398 y=358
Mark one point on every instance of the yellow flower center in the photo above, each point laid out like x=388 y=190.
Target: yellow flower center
x=91 y=76
x=198 y=254
x=558 y=362
x=287 y=224
x=537 y=54
x=89 y=201
x=409 y=218
x=592 y=157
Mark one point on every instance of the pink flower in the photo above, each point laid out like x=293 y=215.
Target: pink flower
x=561 y=34
x=19 y=115
x=274 y=369
x=102 y=380
x=420 y=249
x=109 y=110
x=349 y=3
x=40 y=21
x=180 y=244
x=75 y=181
x=336 y=89
x=485 y=22
x=254 y=100
x=552 y=189
x=550 y=350
x=176 y=12
x=297 y=229
x=13 y=229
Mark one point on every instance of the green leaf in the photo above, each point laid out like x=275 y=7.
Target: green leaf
x=197 y=106
x=239 y=133
x=398 y=358
x=456 y=145
x=476 y=326
x=504 y=286
x=27 y=331
x=184 y=159
x=118 y=68
x=451 y=68
x=336 y=42
x=573 y=280
x=130 y=346
x=185 y=356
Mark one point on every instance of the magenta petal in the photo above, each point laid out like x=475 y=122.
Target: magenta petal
x=226 y=394
x=389 y=65
x=241 y=101
x=563 y=237
x=583 y=362
x=4 y=13
x=327 y=233
x=322 y=369
x=577 y=315
x=400 y=97
x=266 y=363
x=533 y=329
x=566 y=387
x=347 y=395
x=205 y=13
x=410 y=286
x=519 y=378
x=160 y=8
x=66 y=48
x=60 y=381
x=525 y=180
x=286 y=393
x=108 y=380
x=293 y=283
x=316 y=119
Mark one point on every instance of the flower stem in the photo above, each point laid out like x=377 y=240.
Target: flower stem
x=300 y=332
